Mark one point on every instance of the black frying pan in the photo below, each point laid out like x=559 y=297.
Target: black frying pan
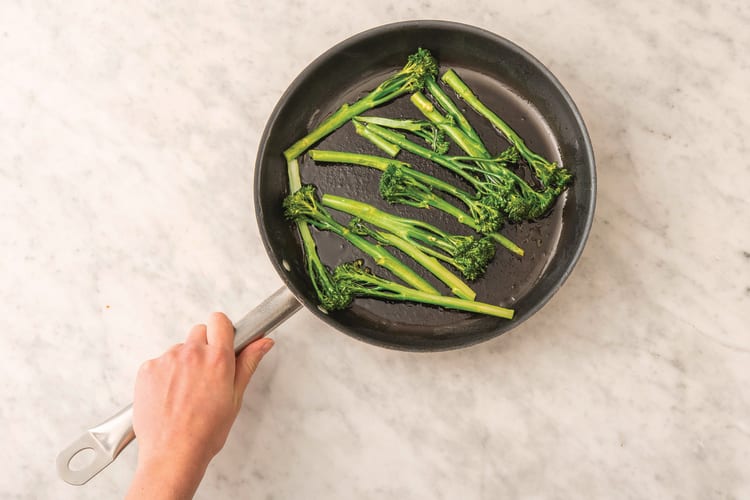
x=512 y=83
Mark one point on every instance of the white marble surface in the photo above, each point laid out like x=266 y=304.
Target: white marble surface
x=127 y=138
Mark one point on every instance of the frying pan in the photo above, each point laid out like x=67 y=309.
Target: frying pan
x=511 y=82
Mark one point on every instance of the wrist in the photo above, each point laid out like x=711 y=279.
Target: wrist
x=163 y=477
x=175 y=459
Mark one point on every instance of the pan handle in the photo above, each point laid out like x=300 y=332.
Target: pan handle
x=110 y=437
x=265 y=317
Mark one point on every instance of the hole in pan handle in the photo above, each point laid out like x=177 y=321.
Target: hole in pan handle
x=76 y=464
x=106 y=440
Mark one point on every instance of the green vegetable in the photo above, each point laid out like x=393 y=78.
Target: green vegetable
x=292 y=170
x=428 y=132
x=409 y=79
x=457 y=287
x=355 y=280
x=450 y=107
x=471 y=146
x=466 y=253
x=494 y=182
x=328 y=294
x=402 y=184
x=499 y=194
x=398 y=185
x=303 y=206
x=387 y=147
x=551 y=176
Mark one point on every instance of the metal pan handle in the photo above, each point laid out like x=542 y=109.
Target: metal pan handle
x=110 y=437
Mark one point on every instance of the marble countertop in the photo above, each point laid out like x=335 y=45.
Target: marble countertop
x=127 y=139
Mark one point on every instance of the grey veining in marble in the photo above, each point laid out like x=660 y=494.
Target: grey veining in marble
x=127 y=138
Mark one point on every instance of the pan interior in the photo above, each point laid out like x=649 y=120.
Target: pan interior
x=508 y=83
x=509 y=277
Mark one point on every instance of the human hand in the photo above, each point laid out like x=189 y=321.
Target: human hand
x=185 y=404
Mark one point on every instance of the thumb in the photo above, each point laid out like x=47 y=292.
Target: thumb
x=247 y=361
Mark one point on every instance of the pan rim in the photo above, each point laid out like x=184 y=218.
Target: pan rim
x=588 y=162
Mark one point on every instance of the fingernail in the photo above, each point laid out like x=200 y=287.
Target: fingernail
x=267 y=345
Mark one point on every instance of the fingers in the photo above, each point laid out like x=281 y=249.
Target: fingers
x=220 y=331
x=174 y=348
x=197 y=334
x=247 y=362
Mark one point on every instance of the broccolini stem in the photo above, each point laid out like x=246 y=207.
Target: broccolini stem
x=537 y=162
x=453 y=81
x=369 y=285
x=387 y=147
x=450 y=107
x=454 y=303
x=384 y=258
x=450 y=302
x=332 y=123
x=381 y=219
x=400 y=124
x=376 y=162
x=315 y=269
x=468 y=220
x=408 y=229
x=428 y=154
x=410 y=78
x=308 y=243
x=427 y=131
x=292 y=169
x=469 y=145
x=457 y=287
x=505 y=242
x=380 y=163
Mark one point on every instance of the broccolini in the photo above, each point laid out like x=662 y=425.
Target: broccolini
x=466 y=253
x=303 y=206
x=493 y=181
x=409 y=79
x=400 y=183
x=551 y=176
x=354 y=280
